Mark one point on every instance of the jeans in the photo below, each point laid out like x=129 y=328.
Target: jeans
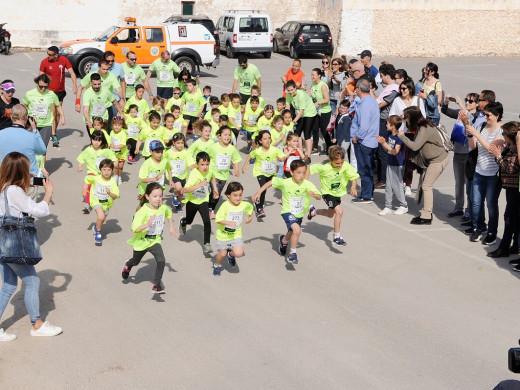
x=382 y=154
x=10 y=274
x=485 y=188
x=459 y=162
x=157 y=252
x=511 y=218
x=364 y=158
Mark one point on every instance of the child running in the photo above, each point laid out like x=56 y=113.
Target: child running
x=251 y=115
x=101 y=125
x=134 y=125
x=296 y=193
x=394 y=168
x=197 y=197
x=204 y=142
x=153 y=132
x=265 y=167
x=147 y=226
x=230 y=217
x=293 y=151
x=265 y=118
x=102 y=196
x=334 y=177
x=118 y=140
x=180 y=159
x=222 y=154
x=92 y=157
x=155 y=168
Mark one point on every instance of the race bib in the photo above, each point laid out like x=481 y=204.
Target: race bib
x=235 y=216
x=178 y=125
x=100 y=191
x=130 y=78
x=238 y=118
x=116 y=141
x=153 y=175
x=98 y=161
x=200 y=192
x=165 y=75
x=253 y=119
x=133 y=131
x=157 y=226
x=191 y=108
x=296 y=205
x=178 y=167
x=223 y=162
x=269 y=167
x=290 y=159
x=40 y=110
x=99 y=109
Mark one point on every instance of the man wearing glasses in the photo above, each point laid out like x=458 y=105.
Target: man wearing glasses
x=7 y=102
x=133 y=74
x=166 y=71
x=54 y=66
x=246 y=75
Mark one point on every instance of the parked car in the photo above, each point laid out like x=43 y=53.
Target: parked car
x=245 y=32
x=200 y=19
x=190 y=44
x=303 y=38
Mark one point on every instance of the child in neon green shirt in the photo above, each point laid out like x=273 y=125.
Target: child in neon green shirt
x=118 y=140
x=180 y=160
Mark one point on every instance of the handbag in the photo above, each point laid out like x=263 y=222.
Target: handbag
x=18 y=238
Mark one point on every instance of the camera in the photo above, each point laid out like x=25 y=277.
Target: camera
x=514 y=359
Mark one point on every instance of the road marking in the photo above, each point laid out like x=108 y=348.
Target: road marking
x=28 y=56
x=279 y=56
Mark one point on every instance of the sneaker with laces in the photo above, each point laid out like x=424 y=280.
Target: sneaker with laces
x=175 y=200
x=362 y=200
x=314 y=152
x=182 y=226
x=339 y=241
x=283 y=247
x=6 y=336
x=129 y=160
x=467 y=224
x=385 y=211
x=46 y=330
x=469 y=231
x=260 y=213
x=231 y=260
x=475 y=236
x=179 y=208
x=158 y=289
x=126 y=272
x=119 y=181
x=408 y=191
x=401 y=210
x=292 y=258
x=55 y=141
x=86 y=208
x=217 y=269
x=466 y=218
x=490 y=239
x=456 y=213
x=311 y=212
x=98 y=239
x=207 y=249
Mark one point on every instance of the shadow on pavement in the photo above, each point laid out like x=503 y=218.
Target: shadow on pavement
x=45 y=225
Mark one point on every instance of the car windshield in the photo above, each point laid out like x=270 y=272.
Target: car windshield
x=105 y=34
x=315 y=28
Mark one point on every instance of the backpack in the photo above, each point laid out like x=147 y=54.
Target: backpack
x=431 y=106
x=445 y=138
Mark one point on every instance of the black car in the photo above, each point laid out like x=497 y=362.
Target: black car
x=200 y=19
x=303 y=37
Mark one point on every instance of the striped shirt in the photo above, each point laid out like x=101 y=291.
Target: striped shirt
x=486 y=164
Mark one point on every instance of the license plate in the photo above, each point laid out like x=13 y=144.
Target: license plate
x=246 y=38
x=253 y=51
x=316 y=40
x=7 y=39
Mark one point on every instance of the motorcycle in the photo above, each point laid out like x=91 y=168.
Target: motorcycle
x=5 y=39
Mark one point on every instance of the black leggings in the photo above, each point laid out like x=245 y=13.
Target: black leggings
x=322 y=124
x=131 y=144
x=213 y=202
x=306 y=127
x=157 y=253
x=203 y=209
x=262 y=180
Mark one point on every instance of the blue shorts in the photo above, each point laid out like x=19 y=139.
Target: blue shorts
x=177 y=180
x=290 y=219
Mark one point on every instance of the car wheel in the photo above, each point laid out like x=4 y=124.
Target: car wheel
x=86 y=64
x=267 y=54
x=275 y=46
x=292 y=52
x=186 y=63
x=229 y=51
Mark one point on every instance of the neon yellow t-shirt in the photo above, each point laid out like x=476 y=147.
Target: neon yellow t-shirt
x=98 y=191
x=229 y=212
x=151 y=169
x=295 y=196
x=251 y=119
x=261 y=103
x=109 y=81
x=201 y=194
x=334 y=181
x=223 y=109
x=221 y=159
x=119 y=139
x=192 y=102
x=200 y=146
x=165 y=73
x=92 y=158
x=143 y=106
x=40 y=106
x=134 y=126
x=172 y=101
x=140 y=241
x=98 y=102
x=235 y=113
x=180 y=161
x=266 y=163
x=148 y=134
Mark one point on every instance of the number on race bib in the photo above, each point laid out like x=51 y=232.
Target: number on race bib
x=165 y=75
x=223 y=162
x=116 y=141
x=200 y=192
x=269 y=167
x=99 y=109
x=130 y=78
x=178 y=167
x=100 y=191
x=296 y=205
x=133 y=130
x=153 y=175
x=235 y=216
x=191 y=108
x=40 y=110
x=157 y=226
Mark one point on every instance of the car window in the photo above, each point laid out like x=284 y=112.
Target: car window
x=219 y=23
x=253 y=25
x=154 y=35
x=293 y=27
x=314 y=28
x=285 y=27
x=128 y=35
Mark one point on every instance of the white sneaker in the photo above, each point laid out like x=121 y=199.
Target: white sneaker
x=119 y=181
x=47 y=330
x=385 y=211
x=401 y=210
x=408 y=191
x=6 y=336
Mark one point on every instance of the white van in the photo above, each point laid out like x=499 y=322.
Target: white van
x=245 y=31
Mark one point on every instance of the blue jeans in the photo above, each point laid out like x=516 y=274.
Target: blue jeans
x=365 y=157
x=485 y=188
x=10 y=274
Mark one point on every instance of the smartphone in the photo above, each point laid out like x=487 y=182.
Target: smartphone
x=452 y=99
x=421 y=91
x=38 y=181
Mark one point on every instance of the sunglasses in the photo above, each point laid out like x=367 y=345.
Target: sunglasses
x=9 y=90
x=334 y=64
x=470 y=100
x=43 y=86
x=176 y=93
x=403 y=88
x=183 y=79
x=488 y=115
x=133 y=59
x=324 y=62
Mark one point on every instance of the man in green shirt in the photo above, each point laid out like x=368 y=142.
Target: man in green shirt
x=247 y=75
x=166 y=71
x=96 y=101
x=133 y=74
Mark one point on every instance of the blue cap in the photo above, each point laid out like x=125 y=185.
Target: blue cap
x=156 y=145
